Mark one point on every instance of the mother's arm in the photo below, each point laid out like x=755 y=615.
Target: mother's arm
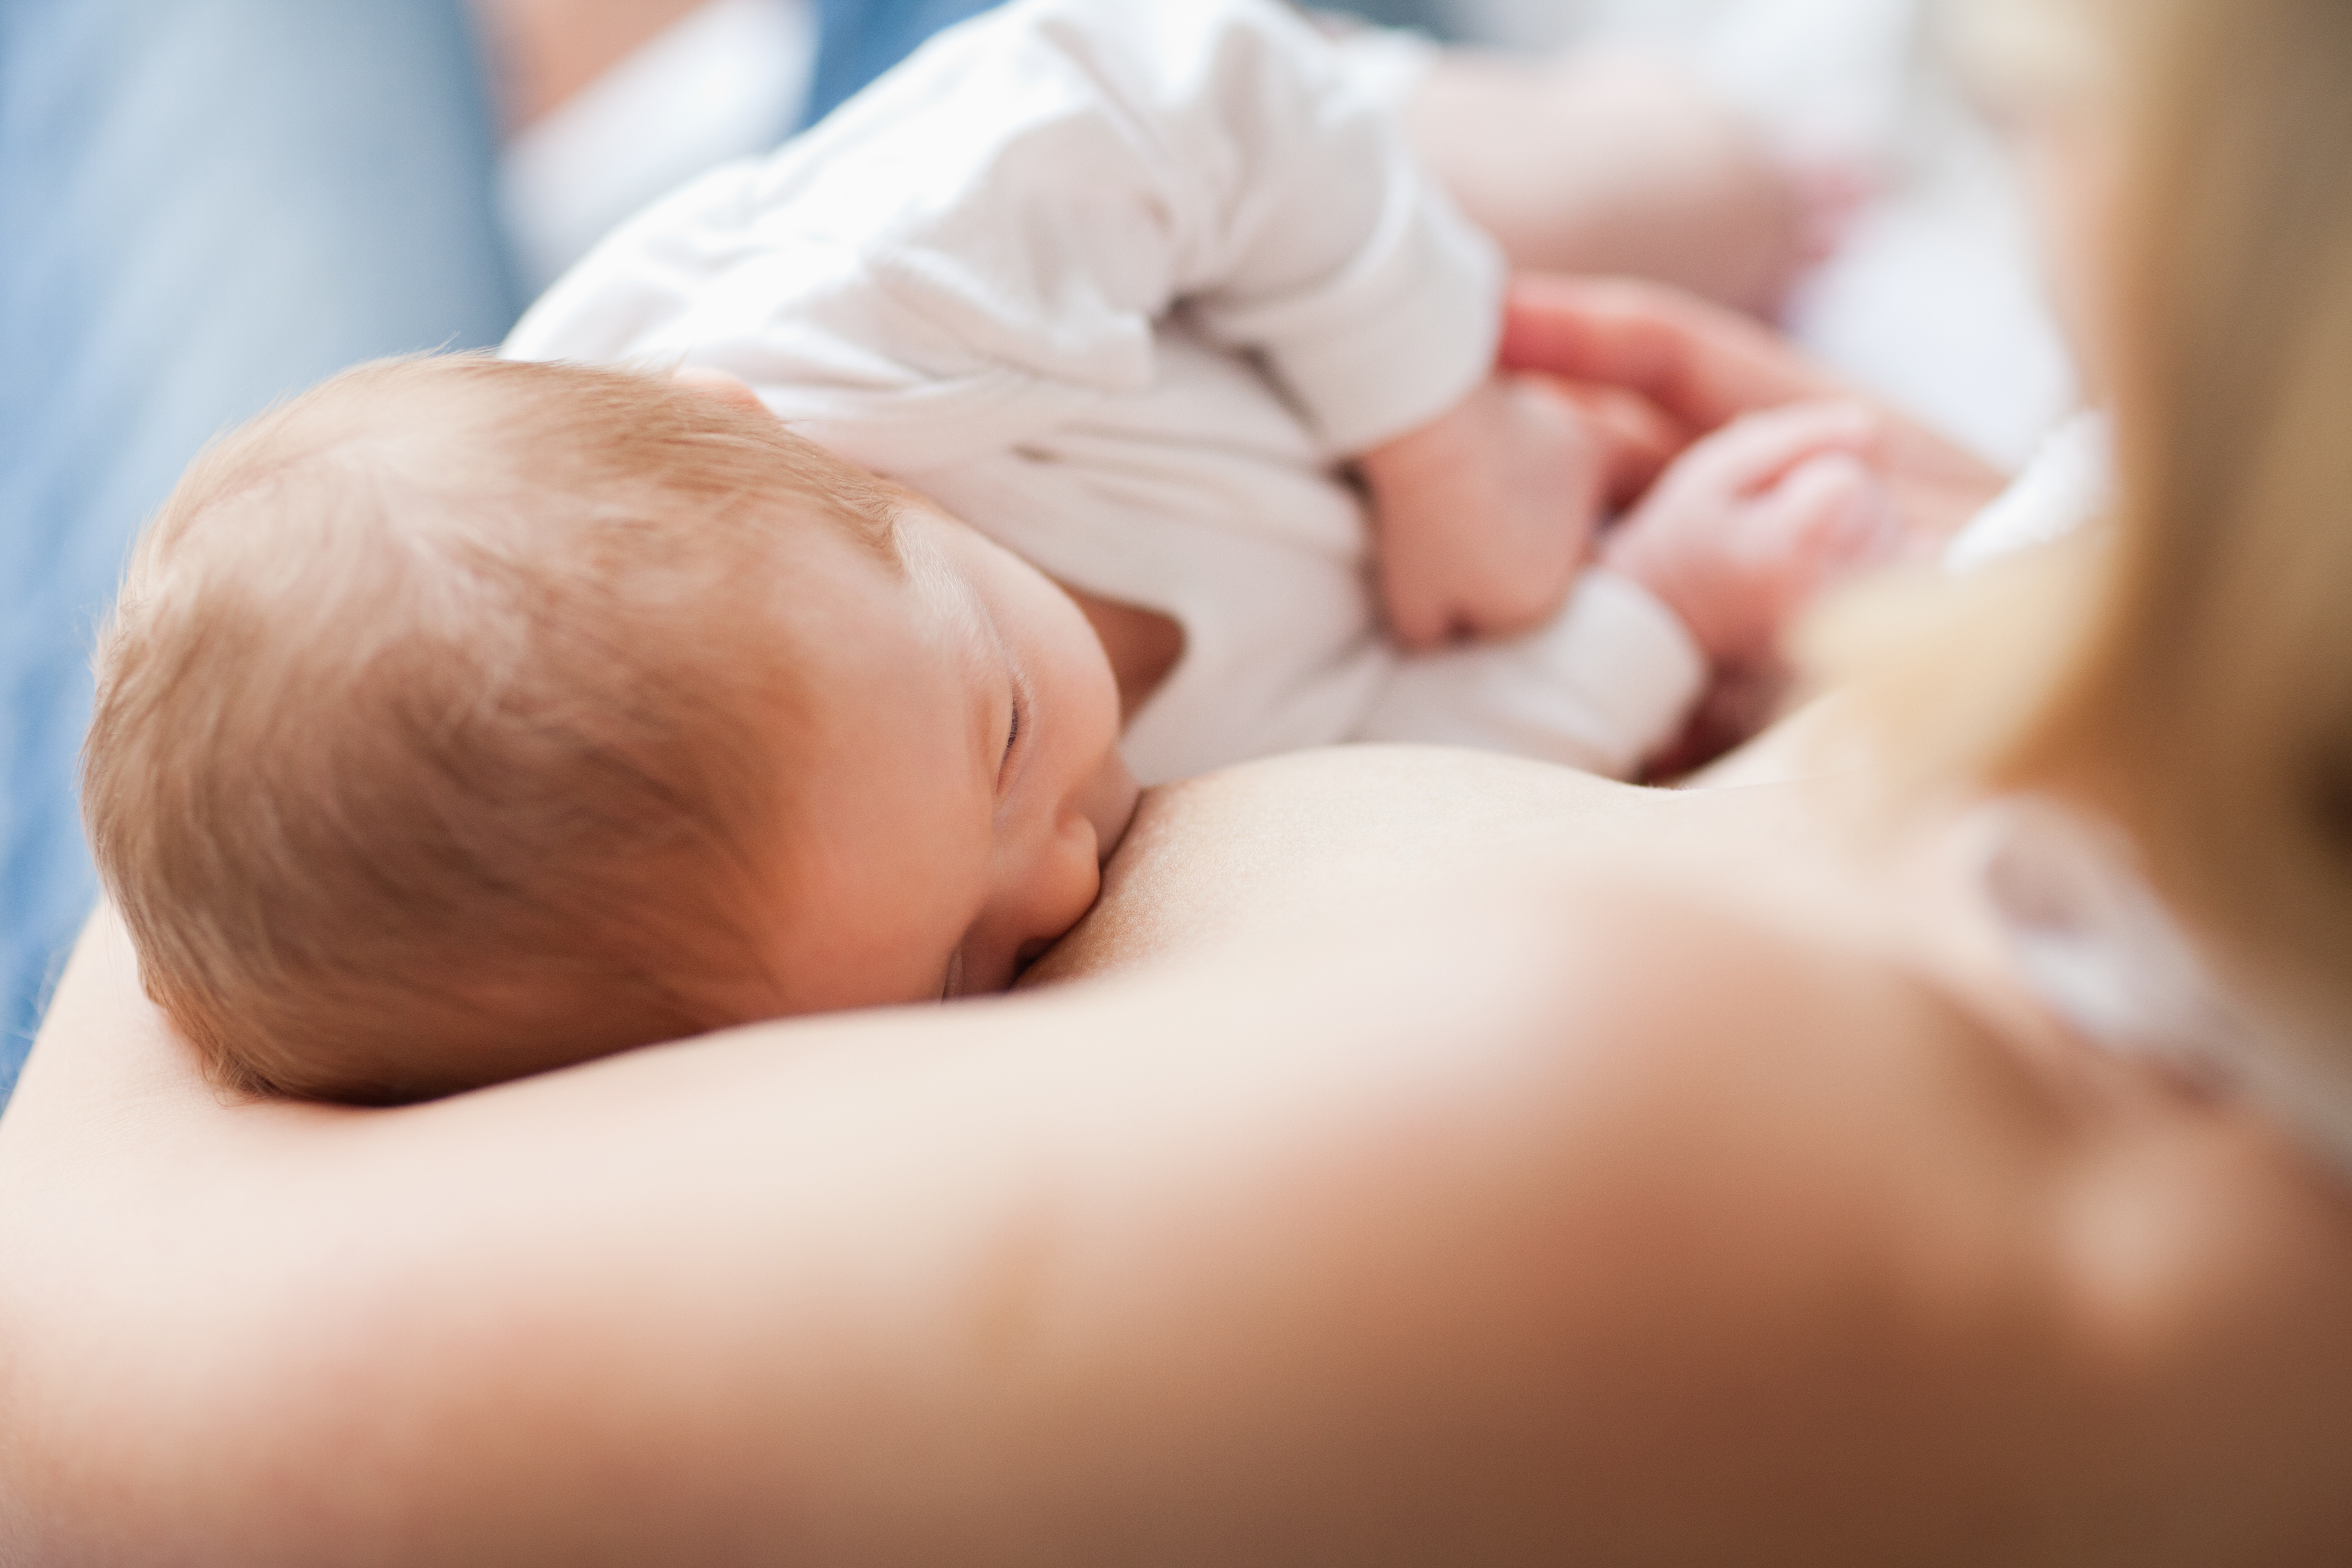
x=1468 y=1230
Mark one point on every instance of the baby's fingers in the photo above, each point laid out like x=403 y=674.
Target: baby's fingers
x=1830 y=515
x=1758 y=451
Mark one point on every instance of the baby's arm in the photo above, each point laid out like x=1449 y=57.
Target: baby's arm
x=981 y=247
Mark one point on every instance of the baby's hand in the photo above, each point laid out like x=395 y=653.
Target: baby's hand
x=1751 y=523
x=1485 y=514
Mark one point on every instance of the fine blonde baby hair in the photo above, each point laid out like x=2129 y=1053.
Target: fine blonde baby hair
x=2188 y=670
x=443 y=725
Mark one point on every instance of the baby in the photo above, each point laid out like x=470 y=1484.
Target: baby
x=464 y=718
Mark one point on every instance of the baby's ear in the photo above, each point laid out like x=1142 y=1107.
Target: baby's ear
x=718 y=383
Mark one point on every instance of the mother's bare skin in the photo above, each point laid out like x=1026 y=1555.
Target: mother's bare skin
x=1568 y=1181
x=1315 y=836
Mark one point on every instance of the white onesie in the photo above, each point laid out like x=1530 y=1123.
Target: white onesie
x=1121 y=284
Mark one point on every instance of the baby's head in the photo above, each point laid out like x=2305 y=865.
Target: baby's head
x=463 y=719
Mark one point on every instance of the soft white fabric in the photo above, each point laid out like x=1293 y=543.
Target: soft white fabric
x=726 y=82
x=1587 y=690
x=2104 y=952
x=1119 y=285
x=978 y=247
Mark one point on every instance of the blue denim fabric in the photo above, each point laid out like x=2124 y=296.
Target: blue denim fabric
x=860 y=39
x=857 y=40
x=204 y=206
x=1431 y=16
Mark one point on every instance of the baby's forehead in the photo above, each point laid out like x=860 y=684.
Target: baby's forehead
x=957 y=617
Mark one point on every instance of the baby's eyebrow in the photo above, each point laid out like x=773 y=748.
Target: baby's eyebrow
x=878 y=521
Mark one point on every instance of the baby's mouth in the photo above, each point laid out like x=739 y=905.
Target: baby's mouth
x=1031 y=951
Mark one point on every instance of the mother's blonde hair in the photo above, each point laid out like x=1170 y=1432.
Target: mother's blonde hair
x=2189 y=671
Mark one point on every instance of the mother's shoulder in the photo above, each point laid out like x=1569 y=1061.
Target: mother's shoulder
x=1755 y=1221
x=1246 y=852
x=1692 y=1022
x=1775 y=1140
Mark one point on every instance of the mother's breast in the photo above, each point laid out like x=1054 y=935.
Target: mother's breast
x=1247 y=854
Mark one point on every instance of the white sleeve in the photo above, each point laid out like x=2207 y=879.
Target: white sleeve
x=1392 y=63
x=977 y=248
x=1610 y=682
